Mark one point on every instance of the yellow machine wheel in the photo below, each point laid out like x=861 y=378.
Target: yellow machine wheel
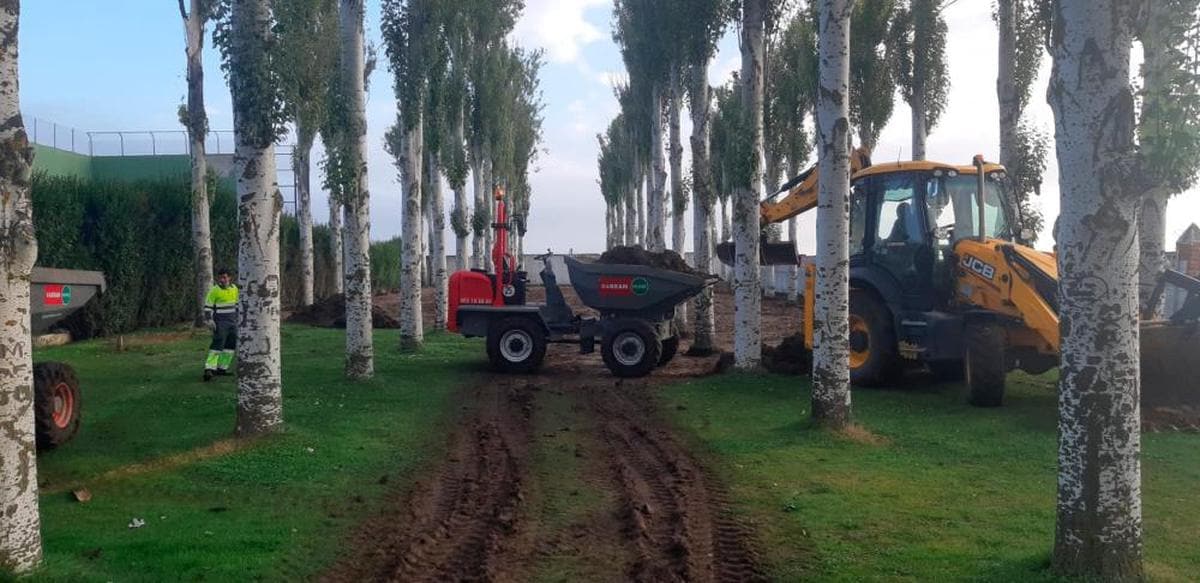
x=873 y=356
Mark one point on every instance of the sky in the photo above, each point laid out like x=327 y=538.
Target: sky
x=108 y=66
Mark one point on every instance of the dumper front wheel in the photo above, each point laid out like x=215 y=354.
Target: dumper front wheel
x=631 y=348
x=56 y=404
x=516 y=345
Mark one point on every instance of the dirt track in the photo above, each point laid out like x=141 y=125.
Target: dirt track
x=479 y=514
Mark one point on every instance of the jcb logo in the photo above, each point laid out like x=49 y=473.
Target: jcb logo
x=978 y=266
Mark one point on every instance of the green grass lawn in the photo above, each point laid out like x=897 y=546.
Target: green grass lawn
x=274 y=509
x=951 y=492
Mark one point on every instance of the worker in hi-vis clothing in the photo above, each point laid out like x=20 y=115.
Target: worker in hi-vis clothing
x=220 y=314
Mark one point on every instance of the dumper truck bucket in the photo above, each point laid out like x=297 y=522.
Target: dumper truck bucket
x=56 y=293
x=778 y=253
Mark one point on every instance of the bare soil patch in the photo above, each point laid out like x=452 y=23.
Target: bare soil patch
x=655 y=512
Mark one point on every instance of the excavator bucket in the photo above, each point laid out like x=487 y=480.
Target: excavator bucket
x=1170 y=369
x=778 y=253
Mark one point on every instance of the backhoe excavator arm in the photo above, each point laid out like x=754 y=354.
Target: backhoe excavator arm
x=801 y=191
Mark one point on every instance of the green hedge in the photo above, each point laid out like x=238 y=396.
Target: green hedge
x=139 y=235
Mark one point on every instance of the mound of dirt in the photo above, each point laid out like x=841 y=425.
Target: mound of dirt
x=1161 y=419
x=790 y=357
x=668 y=260
x=331 y=313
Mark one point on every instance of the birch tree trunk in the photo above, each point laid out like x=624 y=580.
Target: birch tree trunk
x=460 y=207
x=631 y=218
x=704 y=323
x=726 y=235
x=920 y=125
x=1006 y=84
x=1099 y=526
x=678 y=199
x=197 y=127
x=488 y=235
x=260 y=391
x=437 y=249
x=481 y=198
x=20 y=526
x=360 y=343
x=1152 y=240
x=793 y=270
x=656 y=201
x=640 y=175
x=831 y=319
x=336 y=250
x=412 y=335
x=302 y=171
x=747 y=287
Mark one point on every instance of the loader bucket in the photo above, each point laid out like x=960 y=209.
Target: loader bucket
x=780 y=253
x=1170 y=369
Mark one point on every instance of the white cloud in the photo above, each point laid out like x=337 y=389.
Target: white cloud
x=560 y=27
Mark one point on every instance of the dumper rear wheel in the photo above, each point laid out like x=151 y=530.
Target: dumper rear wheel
x=631 y=348
x=516 y=345
x=56 y=404
x=986 y=367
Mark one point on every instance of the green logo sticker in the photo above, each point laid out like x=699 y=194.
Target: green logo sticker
x=640 y=286
x=66 y=295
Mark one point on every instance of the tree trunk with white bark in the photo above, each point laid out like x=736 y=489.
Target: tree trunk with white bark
x=704 y=323
x=831 y=319
x=631 y=218
x=461 y=209
x=196 y=121
x=678 y=199
x=301 y=170
x=412 y=335
x=747 y=286
x=481 y=201
x=1099 y=526
x=360 y=344
x=656 y=200
x=260 y=389
x=336 y=247
x=793 y=290
x=920 y=125
x=1152 y=240
x=437 y=251
x=489 y=235
x=20 y=525
x=640 y=176
x=1007 y=93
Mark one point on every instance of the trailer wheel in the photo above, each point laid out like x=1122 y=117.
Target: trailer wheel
x=56 y=404
x=516 y=345
x=985 y=363
x=669 y=347
x=873 y=359
x=631 y=349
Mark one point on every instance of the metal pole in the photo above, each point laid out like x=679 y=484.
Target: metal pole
x=217 y=135
x=72 y=140
x=54 y=136
x=122 y=136
x=91 y=146
x=153 y=145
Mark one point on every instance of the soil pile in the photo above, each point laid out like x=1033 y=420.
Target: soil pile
x=331 y=313
x=790 y=357
x=668 y=260
x=1183 y=418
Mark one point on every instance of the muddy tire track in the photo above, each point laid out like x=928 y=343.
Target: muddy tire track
x=677 y=519
x=462 y=521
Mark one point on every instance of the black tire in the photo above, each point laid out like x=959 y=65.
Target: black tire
x=669 y=347
x=631 y=348
x=947 y=371
x=516 y=345
x=985 y=363
x=56 y=404
x=872 y=341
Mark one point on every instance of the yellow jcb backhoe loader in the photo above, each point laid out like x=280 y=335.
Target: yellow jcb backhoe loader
x=938 y=277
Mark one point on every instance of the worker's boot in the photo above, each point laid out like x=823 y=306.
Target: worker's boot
x=208 y=375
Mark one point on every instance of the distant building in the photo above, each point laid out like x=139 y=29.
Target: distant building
x=1186 y=258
